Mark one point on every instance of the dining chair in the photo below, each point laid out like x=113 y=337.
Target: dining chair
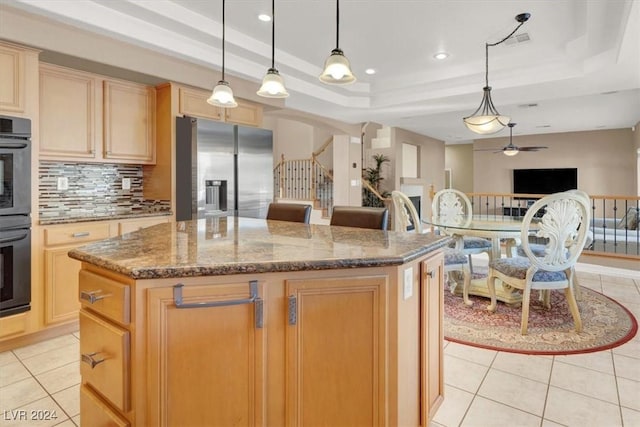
x=562 y=224
x=293 y=212
x=360 y=217
x=405 y=215
x=453 y=207
x=539 y=249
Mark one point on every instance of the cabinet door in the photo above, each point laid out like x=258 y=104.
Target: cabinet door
x=336 y=352
x=12 y=83
x=218 y=351
x=246 y=113
x=61 y=285
x=432 y=337
x=70 y=113
x=193 y=102
x=129 y=122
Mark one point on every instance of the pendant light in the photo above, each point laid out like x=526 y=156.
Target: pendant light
x=337 y=70
x=272 y=84
x=486 y=119
x=222 y=95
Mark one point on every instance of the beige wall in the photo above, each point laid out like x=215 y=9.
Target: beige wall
x=606 y=160
x=459 y=159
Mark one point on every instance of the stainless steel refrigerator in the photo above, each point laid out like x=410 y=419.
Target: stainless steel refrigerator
x=222 y=169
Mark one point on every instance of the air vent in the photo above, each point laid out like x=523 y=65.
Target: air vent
x=532 y=105
x=543 y=126
x=518 y=38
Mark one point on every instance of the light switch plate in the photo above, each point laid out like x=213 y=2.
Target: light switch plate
x=63 y=183
x=126 y=183
x=408 y=283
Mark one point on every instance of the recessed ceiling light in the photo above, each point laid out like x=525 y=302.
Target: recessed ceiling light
x=264 y=17
x=441 y=55
x=370 y=71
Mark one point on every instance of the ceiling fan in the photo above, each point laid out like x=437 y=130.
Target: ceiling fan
x=510 y=149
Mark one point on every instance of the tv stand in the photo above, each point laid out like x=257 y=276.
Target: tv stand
x=514 y=211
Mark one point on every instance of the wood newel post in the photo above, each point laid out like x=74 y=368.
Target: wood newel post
x=283 y=172
x=313 y=177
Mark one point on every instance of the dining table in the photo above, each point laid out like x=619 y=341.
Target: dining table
x=496 y=228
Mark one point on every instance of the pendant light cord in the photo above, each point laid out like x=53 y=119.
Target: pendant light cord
x=273 y=33
x=486 y=53
x=337 y=24
x=223 y=2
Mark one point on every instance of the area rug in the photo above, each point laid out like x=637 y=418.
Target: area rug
x=606 y=324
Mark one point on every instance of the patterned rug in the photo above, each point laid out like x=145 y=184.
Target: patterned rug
x=606 y=324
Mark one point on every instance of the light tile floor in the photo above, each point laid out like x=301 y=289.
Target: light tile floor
x=482 y=387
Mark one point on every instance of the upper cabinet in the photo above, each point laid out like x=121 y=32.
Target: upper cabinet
x=193 y=102
x=18 y=75
x=129 y=122
x=85 y=116
x=12 y=83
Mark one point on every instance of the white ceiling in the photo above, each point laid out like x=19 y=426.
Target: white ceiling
x=580 y=70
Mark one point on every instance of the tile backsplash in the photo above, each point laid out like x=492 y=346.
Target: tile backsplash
x=93 y=189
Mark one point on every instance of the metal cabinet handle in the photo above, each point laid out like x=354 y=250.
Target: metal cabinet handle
x=13 y=239
x=431 y=273
x=177 y=298
x=11 y=144
x=81 y=234
x=91 y=361
x=93 y=296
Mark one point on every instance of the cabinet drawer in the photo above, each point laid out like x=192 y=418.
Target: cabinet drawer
x=97 y=413
x=104 y=356
x=139 y=224
x=76 y=234
x=105 y=296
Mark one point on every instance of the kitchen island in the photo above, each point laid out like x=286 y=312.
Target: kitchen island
x=238 y=321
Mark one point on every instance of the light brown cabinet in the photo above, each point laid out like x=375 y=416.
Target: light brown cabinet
x=345 y=347
x=88 y=117
x=12 y=83
x=336 y=351
x=229 y=378
x=431 y=337
x=61 y=272
x=193 y=102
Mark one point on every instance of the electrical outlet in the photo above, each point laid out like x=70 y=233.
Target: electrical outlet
x=408 y=283
x=63 y=183
x=126 y=183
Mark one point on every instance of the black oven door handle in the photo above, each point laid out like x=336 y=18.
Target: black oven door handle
x=14 y=238
x=4 y=143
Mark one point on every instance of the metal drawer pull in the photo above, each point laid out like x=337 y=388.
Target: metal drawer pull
x=177 y=298
x=13 y=239
x=81 y=234
x=89 y=360
x=431 y=273
x=93 y=296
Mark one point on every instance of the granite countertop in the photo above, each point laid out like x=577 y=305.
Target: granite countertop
x=223 y=246
x=68 y=219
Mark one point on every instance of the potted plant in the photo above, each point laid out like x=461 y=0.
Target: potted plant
x=373 y=175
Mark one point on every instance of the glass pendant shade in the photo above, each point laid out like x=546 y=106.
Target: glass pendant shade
x=337 y=69
x=273 y=85
x=222 y=96
x=510 y=151
x=486 y=120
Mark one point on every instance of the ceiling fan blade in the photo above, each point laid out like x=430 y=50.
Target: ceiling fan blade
x=534 y=148
x=487 y=149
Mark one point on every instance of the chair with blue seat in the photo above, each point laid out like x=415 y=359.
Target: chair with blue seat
x=407 y=218
x=453 y=207
x=539 y=249
x=563 y=225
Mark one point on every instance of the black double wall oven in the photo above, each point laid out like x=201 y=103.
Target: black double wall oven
x=15 y=215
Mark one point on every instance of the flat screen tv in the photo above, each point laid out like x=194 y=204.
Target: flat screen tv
x=544 y=181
